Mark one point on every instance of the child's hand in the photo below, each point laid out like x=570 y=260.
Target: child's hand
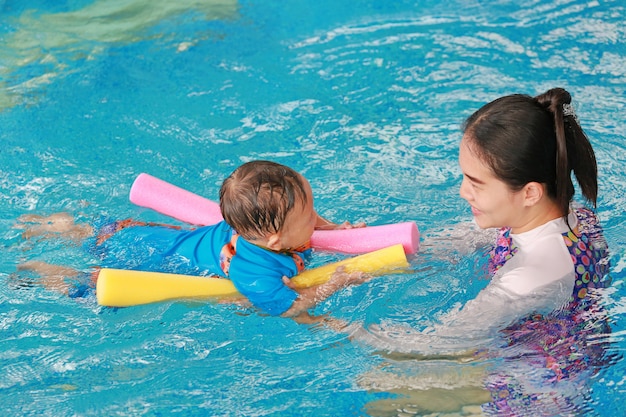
x=348 y=225
x=344 y=278
x=288 y=283
x=339 y=279
x=309 y=297
x=323 y=224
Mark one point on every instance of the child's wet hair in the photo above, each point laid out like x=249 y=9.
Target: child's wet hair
x=256 y=198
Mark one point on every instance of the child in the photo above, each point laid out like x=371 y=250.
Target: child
x=262 y=243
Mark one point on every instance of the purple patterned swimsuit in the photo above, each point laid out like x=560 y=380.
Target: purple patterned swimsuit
x=561 y=347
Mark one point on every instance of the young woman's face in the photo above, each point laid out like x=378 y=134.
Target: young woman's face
x=300 y=222
x=492 y=201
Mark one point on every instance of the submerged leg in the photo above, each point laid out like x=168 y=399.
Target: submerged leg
x=61 y=224
x=52 y=277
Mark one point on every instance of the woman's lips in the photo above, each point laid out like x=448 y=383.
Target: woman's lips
x=475 y=211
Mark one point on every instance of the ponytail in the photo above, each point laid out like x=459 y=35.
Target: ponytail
x=573 y=150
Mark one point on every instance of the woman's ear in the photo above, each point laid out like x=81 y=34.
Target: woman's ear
x=533 y=193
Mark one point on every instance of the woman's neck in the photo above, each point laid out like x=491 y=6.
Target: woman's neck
x=538 y=215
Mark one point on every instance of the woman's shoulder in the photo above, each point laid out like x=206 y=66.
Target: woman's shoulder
x=549 y=234
x=540 y=258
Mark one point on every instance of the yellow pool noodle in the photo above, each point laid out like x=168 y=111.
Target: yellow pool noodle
x=124 y=288
x=379 y=262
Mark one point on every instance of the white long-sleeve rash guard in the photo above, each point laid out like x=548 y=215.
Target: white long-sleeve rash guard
x=539 y=278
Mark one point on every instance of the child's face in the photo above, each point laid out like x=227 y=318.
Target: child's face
x=300 y=222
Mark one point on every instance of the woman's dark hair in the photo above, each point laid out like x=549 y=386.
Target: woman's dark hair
x=535 y=139
x=256 y=198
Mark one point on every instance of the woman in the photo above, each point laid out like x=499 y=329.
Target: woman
x=517 y=156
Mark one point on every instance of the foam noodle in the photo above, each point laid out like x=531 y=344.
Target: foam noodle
x=123 y=288
x=379 y=262
x=367 y=239
x=148 y=191
x=151 y=192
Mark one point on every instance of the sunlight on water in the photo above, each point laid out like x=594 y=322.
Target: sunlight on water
x=364 y=99
x=50 y=41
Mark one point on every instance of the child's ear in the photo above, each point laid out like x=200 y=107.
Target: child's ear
x=274 y=242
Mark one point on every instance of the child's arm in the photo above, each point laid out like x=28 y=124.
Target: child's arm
x=309 y=297
x=323 y=224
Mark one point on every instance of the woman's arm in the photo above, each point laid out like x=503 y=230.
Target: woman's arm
x=475 y=325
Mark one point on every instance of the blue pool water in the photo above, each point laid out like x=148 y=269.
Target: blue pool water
x=365 y=98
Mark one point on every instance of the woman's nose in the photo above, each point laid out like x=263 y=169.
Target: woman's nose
x=464 y=190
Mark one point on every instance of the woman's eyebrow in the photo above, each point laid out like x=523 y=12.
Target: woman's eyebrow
x=474 y=179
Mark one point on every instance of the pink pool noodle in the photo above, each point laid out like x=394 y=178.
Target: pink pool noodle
x=163 y=197
x=151 y=192
x=368 y=239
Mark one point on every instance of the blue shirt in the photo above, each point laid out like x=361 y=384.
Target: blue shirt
x=256 y=272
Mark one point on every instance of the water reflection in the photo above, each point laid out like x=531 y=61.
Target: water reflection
x=44 y=41
x=540 y=365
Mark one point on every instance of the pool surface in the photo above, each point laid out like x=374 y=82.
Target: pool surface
x=366 y=99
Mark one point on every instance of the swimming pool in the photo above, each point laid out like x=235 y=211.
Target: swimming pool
x=364 y=98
